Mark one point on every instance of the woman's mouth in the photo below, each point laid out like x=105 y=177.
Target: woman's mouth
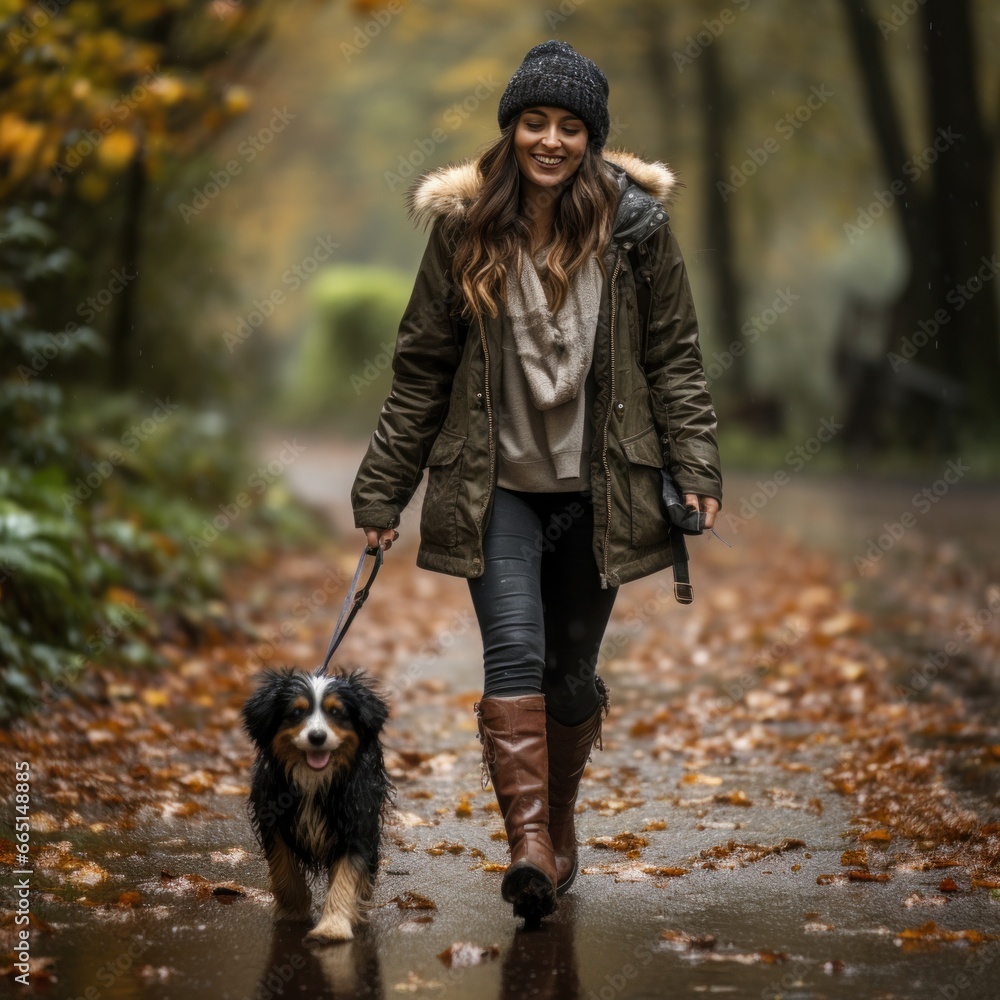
x=317 y=761
x=548 y=162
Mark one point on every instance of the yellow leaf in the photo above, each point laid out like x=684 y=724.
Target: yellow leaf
x=169 y=89
x=736 y=798
x=115 y=153
x=120 y=595
x=701 y=779
x=198 y=781
x=155 y=697
x=16 y=133
x=882 y=835
x=237 y=100
x=838 y=624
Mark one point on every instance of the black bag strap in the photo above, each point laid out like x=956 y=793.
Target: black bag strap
x=643 y=280
x=683 y=590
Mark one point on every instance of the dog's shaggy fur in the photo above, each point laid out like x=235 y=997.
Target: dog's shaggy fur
x=319 y=792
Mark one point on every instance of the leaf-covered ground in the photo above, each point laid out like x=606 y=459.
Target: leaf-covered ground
x=789 y=799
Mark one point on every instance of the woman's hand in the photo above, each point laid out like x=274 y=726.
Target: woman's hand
x=707 y=504
x=378 y=536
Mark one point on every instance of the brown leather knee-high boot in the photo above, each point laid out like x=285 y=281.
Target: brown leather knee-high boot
x=514 y=753
x=568 y=751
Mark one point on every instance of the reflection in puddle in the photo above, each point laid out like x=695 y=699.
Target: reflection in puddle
x=542 y=962
x=349 y=969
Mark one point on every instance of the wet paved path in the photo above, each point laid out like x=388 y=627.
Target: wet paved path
x=758 y=752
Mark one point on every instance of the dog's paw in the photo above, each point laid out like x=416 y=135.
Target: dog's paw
x=331 y=929
x=292 y=914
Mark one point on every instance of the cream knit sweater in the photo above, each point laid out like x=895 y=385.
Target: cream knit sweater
x=548 y=383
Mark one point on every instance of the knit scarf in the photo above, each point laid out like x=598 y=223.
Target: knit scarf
x=556 y=353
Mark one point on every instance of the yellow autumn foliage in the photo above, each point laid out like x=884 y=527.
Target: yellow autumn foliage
x=117 y=150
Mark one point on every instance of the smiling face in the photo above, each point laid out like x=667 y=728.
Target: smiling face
x=549 y=144
x=314 y=725
x=316 y=729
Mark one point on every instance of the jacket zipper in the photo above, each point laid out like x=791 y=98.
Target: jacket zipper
x=607 y=420
x=489 y=419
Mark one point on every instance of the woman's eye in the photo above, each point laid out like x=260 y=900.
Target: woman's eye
x=537 y=125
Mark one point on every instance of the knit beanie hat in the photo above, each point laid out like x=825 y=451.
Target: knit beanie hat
x=554 y=73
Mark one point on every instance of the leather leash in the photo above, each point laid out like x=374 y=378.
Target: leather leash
x=359 y=599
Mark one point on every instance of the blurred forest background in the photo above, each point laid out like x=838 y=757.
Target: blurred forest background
x=203 y=240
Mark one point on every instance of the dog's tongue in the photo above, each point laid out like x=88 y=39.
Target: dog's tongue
x=317 y=761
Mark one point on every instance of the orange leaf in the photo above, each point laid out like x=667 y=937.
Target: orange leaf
x=861 y=876
x=410 y=900
x=882 y=835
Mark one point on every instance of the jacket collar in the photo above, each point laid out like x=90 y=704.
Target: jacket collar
x=648 y=188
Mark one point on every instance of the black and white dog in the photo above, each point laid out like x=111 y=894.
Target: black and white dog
x=319 y=791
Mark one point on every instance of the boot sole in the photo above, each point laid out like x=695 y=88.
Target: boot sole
x=530 y=891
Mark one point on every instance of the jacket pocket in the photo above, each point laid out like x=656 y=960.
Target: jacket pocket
x=439 y=513
x=645 y=459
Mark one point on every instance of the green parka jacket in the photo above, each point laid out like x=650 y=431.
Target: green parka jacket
x=443 y=408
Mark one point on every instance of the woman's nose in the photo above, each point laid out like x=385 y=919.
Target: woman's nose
x=550 y=138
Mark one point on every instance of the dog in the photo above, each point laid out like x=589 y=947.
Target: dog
x=319 y=791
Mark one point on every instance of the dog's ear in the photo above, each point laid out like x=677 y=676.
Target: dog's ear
x=260 y=709
x=372 y=711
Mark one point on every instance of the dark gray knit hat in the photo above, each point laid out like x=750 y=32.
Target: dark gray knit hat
x=554 y=73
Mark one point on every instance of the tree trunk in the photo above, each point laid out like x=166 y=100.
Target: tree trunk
x=918 y=396
x=122 y=333
x=879 y=391
x=963 y=210
x=717 y=102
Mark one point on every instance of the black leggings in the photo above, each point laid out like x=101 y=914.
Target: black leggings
x=541 y=609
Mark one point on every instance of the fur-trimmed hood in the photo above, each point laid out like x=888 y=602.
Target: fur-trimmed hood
x=448 y=191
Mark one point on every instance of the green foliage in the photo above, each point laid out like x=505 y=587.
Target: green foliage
x=40 y=575
x=340 y=372
x=185 y=301
x=108 y=503
x=29 y=403
x=103 y=499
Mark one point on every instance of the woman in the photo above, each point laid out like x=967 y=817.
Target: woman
x=517 y=381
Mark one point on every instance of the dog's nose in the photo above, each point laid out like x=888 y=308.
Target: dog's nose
x=317 y=737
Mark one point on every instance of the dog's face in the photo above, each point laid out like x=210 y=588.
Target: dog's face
x=313 y=724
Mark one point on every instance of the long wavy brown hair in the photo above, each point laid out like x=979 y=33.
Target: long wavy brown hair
x=494 y=234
